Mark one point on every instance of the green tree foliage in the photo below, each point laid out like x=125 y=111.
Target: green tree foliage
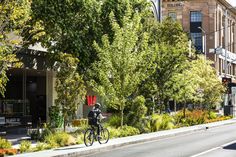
x=171 y=49
x=197 y=84
x=72 y=26
x=123 y=63
x=69 y=86
x=68 y=26
x=208 y=81
x=13 y=15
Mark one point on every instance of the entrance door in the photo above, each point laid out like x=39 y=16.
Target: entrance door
x=36 y=94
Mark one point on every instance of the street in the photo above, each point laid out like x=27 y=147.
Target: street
x=215 y=142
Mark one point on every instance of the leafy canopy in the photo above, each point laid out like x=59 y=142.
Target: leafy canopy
x=123 y=63
x=13 y=15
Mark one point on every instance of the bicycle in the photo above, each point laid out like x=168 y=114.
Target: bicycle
x=91 y=134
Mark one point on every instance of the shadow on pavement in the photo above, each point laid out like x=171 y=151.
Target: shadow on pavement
x=231 y=146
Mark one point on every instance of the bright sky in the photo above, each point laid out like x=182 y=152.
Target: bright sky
x=232 y=2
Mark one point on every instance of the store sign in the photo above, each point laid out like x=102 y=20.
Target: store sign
x=91 y=100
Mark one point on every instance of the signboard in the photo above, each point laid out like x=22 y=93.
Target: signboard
x=2 y=120
x=233 y=90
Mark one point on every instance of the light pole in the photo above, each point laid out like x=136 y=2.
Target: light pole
x=203 y=41
x=157 y=9
x=226 y=43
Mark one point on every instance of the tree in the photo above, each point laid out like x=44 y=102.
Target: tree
x=72 y=26
x=68 y=26
x=197 y=84
x=208 y=81
x=69 y=86
x=123 y=63
x=171 y=54
x=13 y=15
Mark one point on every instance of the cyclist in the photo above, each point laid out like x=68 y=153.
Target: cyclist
x=97 y=117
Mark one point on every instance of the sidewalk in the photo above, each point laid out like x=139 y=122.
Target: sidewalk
x=78 y=150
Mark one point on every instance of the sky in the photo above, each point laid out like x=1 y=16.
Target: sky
x=232 y=2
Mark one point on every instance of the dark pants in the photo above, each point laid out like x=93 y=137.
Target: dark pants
x=98 y=128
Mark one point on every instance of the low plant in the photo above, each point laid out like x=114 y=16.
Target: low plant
x=114 y=121
x=161 y=122
x=60 y=139
x=80 y=139
x=127 y=131
x=42 y=146
x=123 y=131
x=4 y=152
x=56 y=118
x=4 y=144
x=25 y=146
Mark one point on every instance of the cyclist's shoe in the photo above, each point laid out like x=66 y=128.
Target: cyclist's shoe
x=98 y=137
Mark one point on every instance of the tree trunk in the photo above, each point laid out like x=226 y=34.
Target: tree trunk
x=175 y=105
x=64 y=125
x=184 y=109
x=122 y=117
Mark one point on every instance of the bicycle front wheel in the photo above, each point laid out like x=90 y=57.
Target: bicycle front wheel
x=104 y=136
x=88 y=137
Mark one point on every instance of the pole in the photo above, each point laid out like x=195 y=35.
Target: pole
x=203 y=42
x=226 y=43
x=225 y=63
x=205 y=46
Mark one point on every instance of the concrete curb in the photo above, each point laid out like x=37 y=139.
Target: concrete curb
x=78 y=150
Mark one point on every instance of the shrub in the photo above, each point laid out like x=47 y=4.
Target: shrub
x=194 y=117
x=42 y=146
x=7 y=152
x=123 y=131
x=25 y=146
x=212 y=115
x=56 y=119
x=128 y=131
x=80 y=139
x=59 y=139
x=114 y=133
x=161 y=122
x=144 y=125
x=11 y=151
x=114 y=121
x=138 y=111
x=4 y=144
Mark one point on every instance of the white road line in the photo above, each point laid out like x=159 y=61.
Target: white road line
x=213 y=149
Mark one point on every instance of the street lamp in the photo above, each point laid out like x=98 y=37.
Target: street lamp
x=203 y=41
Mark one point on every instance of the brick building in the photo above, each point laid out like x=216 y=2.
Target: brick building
x=207 y=18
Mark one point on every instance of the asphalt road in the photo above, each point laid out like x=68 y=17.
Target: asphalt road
x=214 y=142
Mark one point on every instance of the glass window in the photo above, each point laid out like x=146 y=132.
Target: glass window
x=195 y=16
x=197 y=40
x=172 y=15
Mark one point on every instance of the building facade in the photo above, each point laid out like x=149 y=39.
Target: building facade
x=210 y=23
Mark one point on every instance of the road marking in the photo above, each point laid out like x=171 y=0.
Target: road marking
x=213 y=149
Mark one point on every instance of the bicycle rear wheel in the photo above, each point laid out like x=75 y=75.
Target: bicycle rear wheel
x=89 y=137
x=104 y=136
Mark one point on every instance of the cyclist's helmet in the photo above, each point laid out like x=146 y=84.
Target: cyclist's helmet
x=97 y=105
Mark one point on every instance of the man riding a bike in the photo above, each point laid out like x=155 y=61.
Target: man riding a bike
x=95 y=119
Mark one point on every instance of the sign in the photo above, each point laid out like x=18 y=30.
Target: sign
x=175 y=5
x=233 y=90
x=2 y=121
x=91 y=100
